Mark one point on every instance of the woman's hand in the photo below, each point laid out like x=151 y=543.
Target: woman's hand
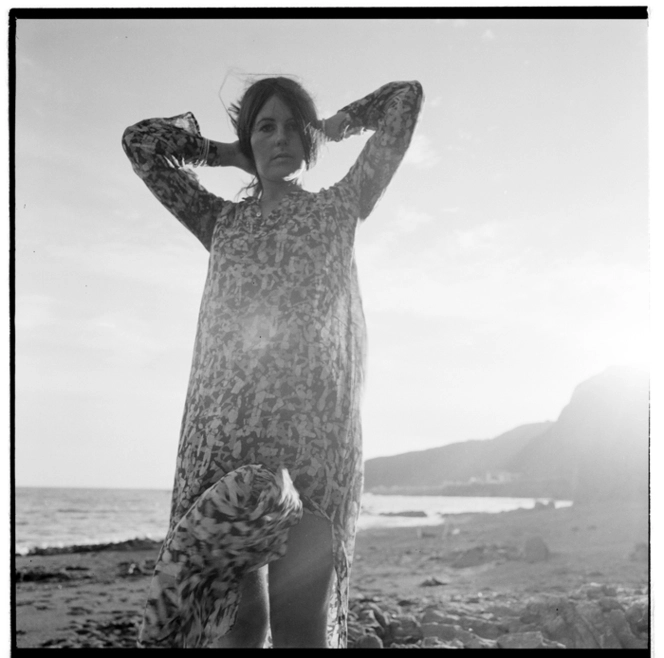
x=241 y=161
x=336 y=128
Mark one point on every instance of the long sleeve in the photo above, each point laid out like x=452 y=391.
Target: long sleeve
x=160 y=151
x=392 y=112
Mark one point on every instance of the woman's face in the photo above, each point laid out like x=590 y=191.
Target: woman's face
x=276 y=143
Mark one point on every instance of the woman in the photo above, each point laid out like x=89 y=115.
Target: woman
x=272 y=421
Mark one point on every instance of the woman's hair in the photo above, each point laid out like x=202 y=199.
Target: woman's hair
x=243 y=116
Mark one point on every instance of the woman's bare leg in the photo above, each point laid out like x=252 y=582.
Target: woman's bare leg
x=251 y=625
x=300 y=585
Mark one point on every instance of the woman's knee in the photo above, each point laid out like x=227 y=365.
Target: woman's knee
x=301 y=584
x=251 y=625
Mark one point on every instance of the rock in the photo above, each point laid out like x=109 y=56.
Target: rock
x=355 y=631
x=535 y=550
x=432 y=582
x=39 y=574
x=381 y=616
x=589 y=616
x=404 y=627
x=484 y=628
x=588 y=623
x=480 y=643
x=622 y=630
x=369 y=641
x=473 y=557
x=607 y=603
x=594 y=590
x=470 y=640
x=637 y=617
x=409 y=513
x=406 y=602
x=442 y=631
x=431 y=615
x=528 y=640
x=367 y=617
x=500 y=610
x=129 y=569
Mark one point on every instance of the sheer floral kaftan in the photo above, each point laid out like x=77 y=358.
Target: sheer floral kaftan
x=272 y=414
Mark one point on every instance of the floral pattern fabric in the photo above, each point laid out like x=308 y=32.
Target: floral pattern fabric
x=278 y=361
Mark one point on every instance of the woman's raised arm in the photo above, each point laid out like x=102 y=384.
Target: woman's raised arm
x=392 y=112
x=161 y=152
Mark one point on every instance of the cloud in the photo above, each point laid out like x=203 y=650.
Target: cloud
x=488 y=35
x=421 y=153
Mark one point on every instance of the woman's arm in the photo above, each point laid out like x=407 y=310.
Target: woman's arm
x=392 y=112
x=161 y=151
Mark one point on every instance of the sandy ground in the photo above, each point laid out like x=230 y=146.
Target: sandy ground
x=98 y=597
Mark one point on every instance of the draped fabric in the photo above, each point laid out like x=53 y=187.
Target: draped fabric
x=277 y=369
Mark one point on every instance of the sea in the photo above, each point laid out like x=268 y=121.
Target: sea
x=59 y=517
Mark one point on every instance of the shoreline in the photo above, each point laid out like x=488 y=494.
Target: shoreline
x=475 y=566
x=147 y=543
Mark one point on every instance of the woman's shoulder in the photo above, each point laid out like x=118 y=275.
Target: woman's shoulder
x=340 y=194
x=332 y=192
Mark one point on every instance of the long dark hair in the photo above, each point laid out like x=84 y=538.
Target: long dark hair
x=244 y=112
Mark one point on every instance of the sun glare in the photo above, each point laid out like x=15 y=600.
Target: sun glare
x=629 y=347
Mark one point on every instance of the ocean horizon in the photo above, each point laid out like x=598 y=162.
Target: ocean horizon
x=57 y=517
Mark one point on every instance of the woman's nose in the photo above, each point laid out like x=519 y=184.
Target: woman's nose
x=281 y=135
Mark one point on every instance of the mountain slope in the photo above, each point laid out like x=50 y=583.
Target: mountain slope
x=600 y=440
x=455 y=462
x=596 y=449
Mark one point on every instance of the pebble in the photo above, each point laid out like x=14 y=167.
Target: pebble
x=590 y=615
x=618 y=616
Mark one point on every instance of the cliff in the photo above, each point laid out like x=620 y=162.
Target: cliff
x=597 y=449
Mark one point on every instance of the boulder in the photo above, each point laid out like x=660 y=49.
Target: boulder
x=445 y=632
x=432 y=582
x=434 y=642
x=607 y=603
x=588 y=623
x=621 y=629
x=404 y=627
x=369 y=641
x=432 y=615
x=381 y=616
x=637 y=617
x=483 y=627
x=452 y=632
x=473 y=557
x=527 y=640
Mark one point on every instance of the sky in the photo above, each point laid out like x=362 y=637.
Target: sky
x=507 y=262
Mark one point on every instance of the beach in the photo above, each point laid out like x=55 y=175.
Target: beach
x=478 y=580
